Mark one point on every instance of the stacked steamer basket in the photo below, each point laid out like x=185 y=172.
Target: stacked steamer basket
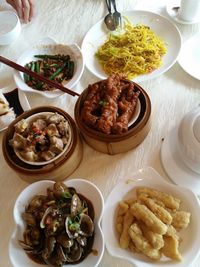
x=58 y=169
x=116 y=143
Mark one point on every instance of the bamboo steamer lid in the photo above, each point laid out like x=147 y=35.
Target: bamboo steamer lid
x=114 y=144
x=59 y=169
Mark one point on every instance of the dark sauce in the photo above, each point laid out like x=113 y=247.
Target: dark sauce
x=90 y=240
x=13 y=100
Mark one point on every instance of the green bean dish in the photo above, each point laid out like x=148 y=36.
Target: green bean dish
x=59 y=68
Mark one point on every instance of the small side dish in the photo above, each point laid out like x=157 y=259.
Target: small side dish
x=7 y=114
x=41 y=137
x=59 y=226
x=110 y=104
x=134 y=51
x=59 y=68
x=150 y=223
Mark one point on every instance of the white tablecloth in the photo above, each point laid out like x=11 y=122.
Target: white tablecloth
x=172 y=95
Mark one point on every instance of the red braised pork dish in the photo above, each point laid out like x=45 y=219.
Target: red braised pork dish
x=59 y=227
x=110 y=104
x=41 y=139
x=58 y=68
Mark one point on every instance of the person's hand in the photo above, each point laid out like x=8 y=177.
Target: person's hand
x=24 y=8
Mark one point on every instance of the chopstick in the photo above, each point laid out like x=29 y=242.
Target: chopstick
x=37 y=76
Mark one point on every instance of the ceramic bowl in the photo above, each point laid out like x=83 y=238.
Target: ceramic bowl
x=17 y=255
x=148 y=177
x=33 y=118
x=10 y=27
x=51 y=47
x=56 y=170
x=112 y=144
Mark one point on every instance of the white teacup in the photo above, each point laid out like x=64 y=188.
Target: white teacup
x=189 y=10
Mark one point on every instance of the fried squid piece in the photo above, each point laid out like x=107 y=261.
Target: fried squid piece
x=168 y=200
x=142 y=213
x=142 y=244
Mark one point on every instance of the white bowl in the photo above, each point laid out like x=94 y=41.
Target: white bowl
x=189 y=247
x=18 y=256
x=50 y=46
x=10 y=27
x=39 y=163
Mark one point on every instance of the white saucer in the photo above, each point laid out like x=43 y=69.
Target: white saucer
x=189 y=57
x=173 y=165
x=174 y=14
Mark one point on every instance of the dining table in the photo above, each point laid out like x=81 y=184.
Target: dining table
x=173 y=94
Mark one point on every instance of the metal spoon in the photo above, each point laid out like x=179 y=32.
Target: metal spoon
x=116 y=15
x=109 y=20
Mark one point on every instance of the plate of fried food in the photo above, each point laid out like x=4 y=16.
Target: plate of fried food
x=149 y=221
x=141 y=50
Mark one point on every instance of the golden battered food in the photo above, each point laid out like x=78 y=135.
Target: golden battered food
x=171 y=248
x=125 y=238
x=171 y=231
x=168 y=200
x=156 y=240
x=142 y=244
x=181 y=219
x=122 y=208
x=141 y=212
x=159 y=211
x=150 y=224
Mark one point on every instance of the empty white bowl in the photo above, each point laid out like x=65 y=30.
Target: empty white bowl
x=18 y=256
x=10 y=27
x=50 y=46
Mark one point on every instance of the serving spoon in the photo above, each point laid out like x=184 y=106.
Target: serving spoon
x=109 y=20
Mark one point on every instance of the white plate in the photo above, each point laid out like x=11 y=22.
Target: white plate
x=166 y=30
x=173 y=13
x=17 y=255
x=174 y=166
x=189 y=58
x=50 y=46
x=189 y=246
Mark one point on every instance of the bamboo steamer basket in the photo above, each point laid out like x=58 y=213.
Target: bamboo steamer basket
x=114 y=144
x=57 y=170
